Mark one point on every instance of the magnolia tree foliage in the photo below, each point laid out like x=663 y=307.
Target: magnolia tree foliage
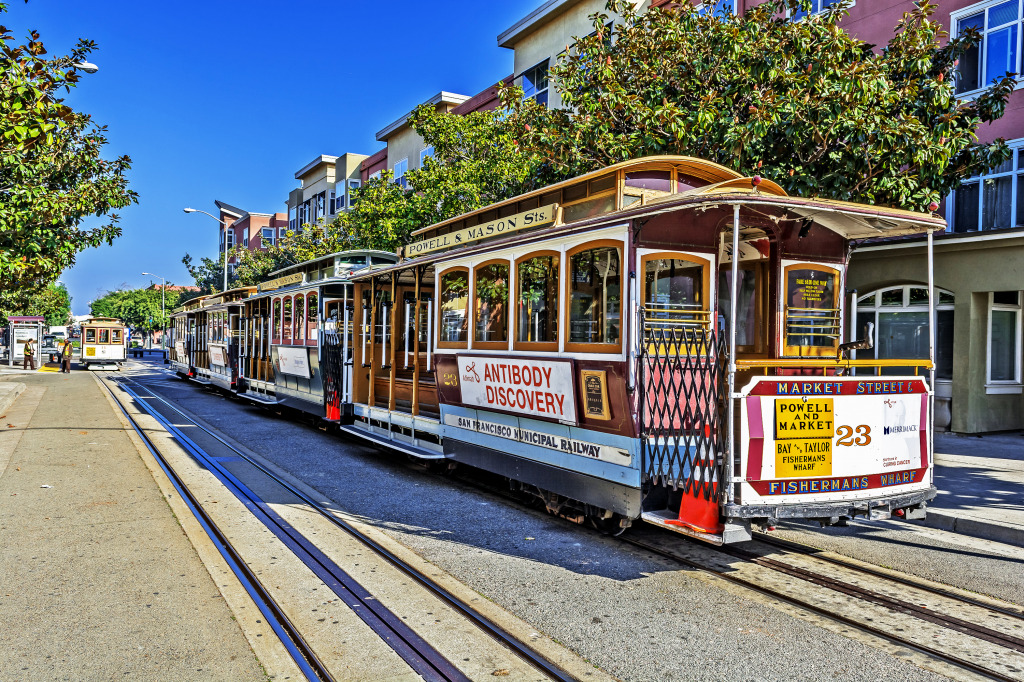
x=140 y=309
x=52 y=302
x=800 y=102
x=52 y=174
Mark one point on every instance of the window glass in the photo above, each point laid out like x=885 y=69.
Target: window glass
x=966 y=202
x=537 y=302
x=995 y=203
x=594 y=290
x=286 y=324
x=104 y=336
x=1006 y=297
x=674 y=291
x=918 y=296
x=944 y=344
x=746 y=306
x=589 y=208
x=811 y=315
x=1003 y=345
x=454 y=301
x=535 y=83
x=90 y=336
x=660 y=181
x=311 y=316
x=902 y=335
x=893 y=297
x=491 y=303
x=277 y=320
x=300 y=318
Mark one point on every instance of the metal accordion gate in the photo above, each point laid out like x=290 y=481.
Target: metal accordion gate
x=332 y=365
x=681 y=374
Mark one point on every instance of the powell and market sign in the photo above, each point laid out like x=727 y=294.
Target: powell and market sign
x=535 y=217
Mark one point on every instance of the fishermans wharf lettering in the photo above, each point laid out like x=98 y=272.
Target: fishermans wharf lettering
x=535 y=217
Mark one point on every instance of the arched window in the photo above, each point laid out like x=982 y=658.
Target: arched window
x=453 y=308
x=900 y=315
x=300 y=319
x=491 y=305
x=286 y=323
x=537 y=286
x=276 y=334
x=312 y=315
x=594 y=292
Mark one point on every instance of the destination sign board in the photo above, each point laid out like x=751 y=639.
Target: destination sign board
x=535 y=217
x=281 y=282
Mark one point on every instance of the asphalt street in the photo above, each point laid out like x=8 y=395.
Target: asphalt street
x=636 y=616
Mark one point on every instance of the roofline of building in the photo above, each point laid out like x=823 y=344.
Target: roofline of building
x=548 y=10
x=440 y=98
x=228 y=208
x=323 y=158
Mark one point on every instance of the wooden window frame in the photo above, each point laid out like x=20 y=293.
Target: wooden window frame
x=761 y=317
x=277 y=316
x=602 y=348
x=99 y=337
x=551 y=346
x=469 y=307
x=86 y=335
x=490 y=345
x=704 y=263
x=298 y=302
x=809 y=351
x=287 y=320
x=313 y=319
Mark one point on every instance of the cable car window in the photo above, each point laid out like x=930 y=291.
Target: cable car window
x=589 y=208
x=454 y=301
x=300 y=318
x=675 y=292
x=286 y=321
x=595 y=297
x=277 y=321
x=104 y=336
x=537 y=300
x=657 y=180
x=812 y=312
x=312 y=313
x=116 y=336
x=748 y=340
x=90 y=336
x=491 y=303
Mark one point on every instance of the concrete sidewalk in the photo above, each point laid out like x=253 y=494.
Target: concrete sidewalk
x=981 y=486
x=99 y=581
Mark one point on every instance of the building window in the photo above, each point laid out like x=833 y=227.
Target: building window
x=424 y=153
x=401 y=168
x=990 y=201
x=230 y=239
x=997 y=52
x=332 y=202
x=374 y=175
x=900 y=316
x=268 y=236
x=1004 y=339
x=353 y=185
x=245 y=239
x=535 y=83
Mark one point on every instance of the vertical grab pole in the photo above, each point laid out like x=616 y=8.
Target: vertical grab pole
x=733 y=293
x=344 y=353
x=384 y=334
x=408 y=305
x=931 y=351
x=430 y=332
x=362 y=336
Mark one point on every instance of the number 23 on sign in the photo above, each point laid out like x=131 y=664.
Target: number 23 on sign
x=853 y=435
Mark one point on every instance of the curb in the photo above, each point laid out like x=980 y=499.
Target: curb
x=977 y=528
x=7 y=398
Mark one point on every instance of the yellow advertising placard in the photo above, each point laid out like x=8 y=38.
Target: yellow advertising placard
x=803 y=458
x=804 y=418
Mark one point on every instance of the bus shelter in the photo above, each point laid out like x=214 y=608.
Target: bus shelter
x=22 y=328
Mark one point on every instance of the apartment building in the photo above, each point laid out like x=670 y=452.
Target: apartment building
x=253 y=231
x=979 y=261
x=326 y=188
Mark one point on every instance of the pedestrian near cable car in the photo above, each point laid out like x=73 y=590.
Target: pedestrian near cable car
x=65 y=356
x=30 y=355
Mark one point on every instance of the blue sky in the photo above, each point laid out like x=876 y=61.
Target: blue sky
x=226 y=100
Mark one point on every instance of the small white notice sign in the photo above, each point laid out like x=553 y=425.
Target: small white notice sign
x=294 y=361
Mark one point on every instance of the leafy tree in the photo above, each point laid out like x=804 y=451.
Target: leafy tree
x=208 y=275
x=52 y=302
x=140 y=309
x=801 y=102
x=52 y=175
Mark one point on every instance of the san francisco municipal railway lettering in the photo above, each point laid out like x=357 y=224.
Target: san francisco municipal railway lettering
x=571 y=446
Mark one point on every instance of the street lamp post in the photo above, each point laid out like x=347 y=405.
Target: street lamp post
x=163 y=314
x=225 y=225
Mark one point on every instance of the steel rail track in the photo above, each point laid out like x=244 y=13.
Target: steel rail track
x=479 y=620
x=831 y=615
x=818 y=555
x=300 y=651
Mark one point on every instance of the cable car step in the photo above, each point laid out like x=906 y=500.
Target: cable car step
x=379 y=439
x=266 y=400
x=733 y=532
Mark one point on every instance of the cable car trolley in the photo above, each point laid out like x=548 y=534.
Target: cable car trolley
x=188 y=338
x=663 y=339
x=296 y=334
x=104 y=343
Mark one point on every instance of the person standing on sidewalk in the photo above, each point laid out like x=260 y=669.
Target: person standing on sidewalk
x=65 y=356
x=30 y=355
